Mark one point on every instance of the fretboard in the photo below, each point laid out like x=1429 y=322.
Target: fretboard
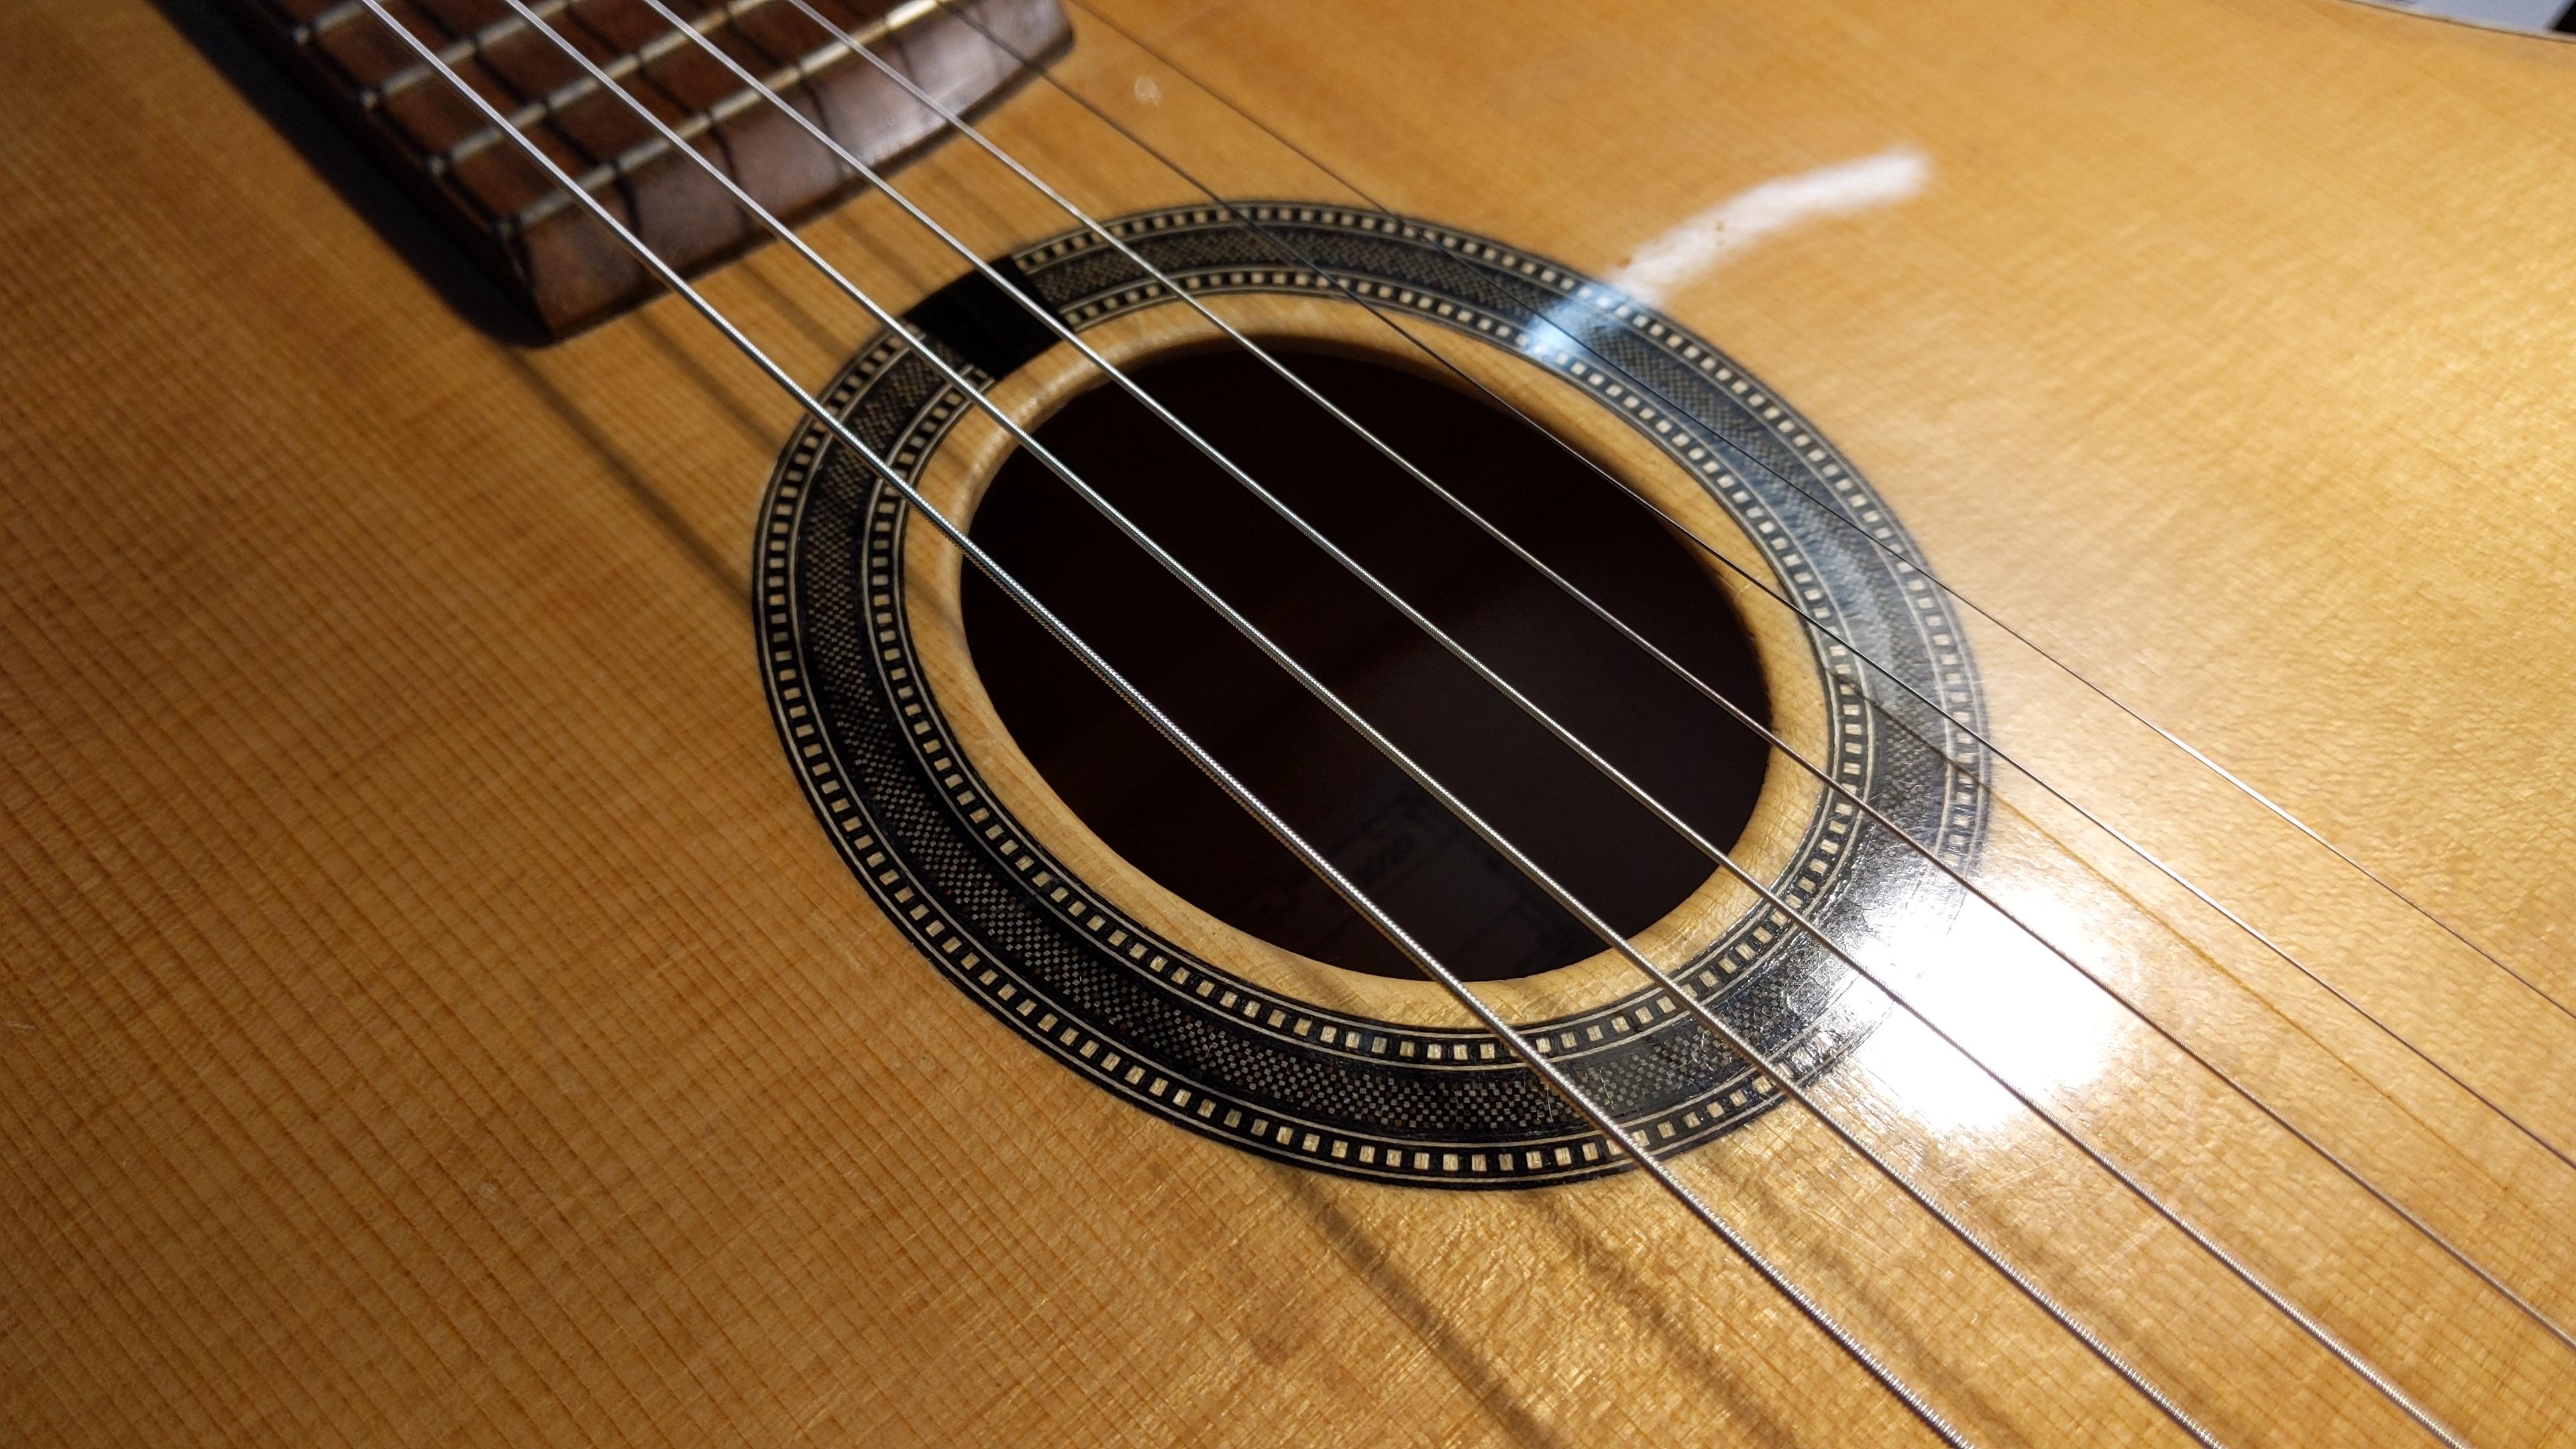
x=549 y=251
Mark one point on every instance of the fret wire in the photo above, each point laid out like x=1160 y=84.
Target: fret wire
x=653 y=148
x=581 y=87
x=332 y=19
x=1521 y=1046
x=562 y=98
x=1826 y=777
x=456 y=51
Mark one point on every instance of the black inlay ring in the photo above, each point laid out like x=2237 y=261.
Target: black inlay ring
x=1182 y=1037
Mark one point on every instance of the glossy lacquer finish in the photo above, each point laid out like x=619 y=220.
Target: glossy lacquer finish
x=433 y=1012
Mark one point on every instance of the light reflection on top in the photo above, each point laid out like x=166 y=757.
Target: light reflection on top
x=2020 y=1009
x=1697 y=246
x=1703 y=241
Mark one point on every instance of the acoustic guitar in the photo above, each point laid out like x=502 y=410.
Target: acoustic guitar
x=1147 y=721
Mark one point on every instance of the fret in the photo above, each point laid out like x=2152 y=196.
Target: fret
x=581 y=86
x=558 y=259
x=457 y=51
x=655 y=147
x=330 y=19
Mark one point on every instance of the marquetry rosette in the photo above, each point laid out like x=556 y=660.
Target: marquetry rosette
x=1008 y=895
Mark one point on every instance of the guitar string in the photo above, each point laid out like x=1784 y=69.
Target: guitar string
x=2315 y=1329
x=1823 y=504
x=1520 y=1046
x=2155 y=862
x=1826 y=777
x=1717 y=1025
x=673 y=20
x=2305 y=1321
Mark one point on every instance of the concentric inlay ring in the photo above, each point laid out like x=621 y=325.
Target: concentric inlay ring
x=994 y=909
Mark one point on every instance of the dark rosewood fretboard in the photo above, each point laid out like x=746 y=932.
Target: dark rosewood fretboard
x=553 y=254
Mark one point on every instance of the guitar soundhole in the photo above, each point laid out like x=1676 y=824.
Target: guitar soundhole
x=1035 y=927
x=1461 y=899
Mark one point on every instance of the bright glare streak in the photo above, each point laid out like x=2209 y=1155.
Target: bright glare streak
x=2009 y=1000
x=1705 y=240
x=1699 y=244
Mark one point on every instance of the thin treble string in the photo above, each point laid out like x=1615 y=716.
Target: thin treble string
x=2171 y=738
x=1823 y=775
x=1724 y=1030
x=1529 y=868
x=1520 y=1046
x=2128 y=843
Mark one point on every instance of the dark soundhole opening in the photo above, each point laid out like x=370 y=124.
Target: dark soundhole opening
x=1456 y=895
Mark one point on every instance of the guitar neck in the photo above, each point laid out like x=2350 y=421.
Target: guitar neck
x=554 y=257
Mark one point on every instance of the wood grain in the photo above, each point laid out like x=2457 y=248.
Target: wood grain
x=430 y=1015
